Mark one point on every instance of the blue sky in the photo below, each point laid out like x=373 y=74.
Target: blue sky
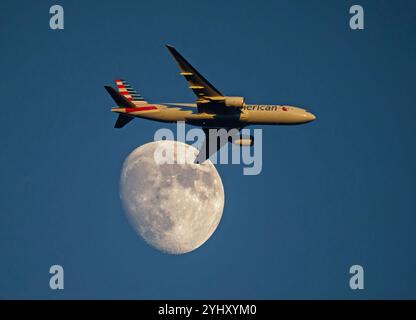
x=336 y=192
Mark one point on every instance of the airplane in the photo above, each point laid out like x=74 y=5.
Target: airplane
x=212 y=110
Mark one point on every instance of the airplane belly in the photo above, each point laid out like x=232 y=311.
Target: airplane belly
x=215 y=120
x=257 y=117
x=170 y=114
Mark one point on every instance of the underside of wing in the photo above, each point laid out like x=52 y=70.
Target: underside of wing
x=205 y=152
x=212 y=144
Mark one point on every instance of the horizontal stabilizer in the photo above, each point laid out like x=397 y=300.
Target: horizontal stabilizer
x=122 y=120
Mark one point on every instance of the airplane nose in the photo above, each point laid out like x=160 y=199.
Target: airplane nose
x=309 y=116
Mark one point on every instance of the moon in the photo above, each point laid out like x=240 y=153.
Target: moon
x=176 y=207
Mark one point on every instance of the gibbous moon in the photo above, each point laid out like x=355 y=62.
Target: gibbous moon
x=174 y=207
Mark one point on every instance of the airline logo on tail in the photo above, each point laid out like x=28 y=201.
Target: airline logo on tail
x=128 y=92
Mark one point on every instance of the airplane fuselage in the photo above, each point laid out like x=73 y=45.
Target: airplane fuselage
x=248 y=114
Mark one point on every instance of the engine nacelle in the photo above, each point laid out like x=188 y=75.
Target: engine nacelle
x=244 y=141
x=234 y=102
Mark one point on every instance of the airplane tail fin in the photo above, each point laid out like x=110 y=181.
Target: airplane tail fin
x=129 y=92
x=119 y=99
x=122 y=102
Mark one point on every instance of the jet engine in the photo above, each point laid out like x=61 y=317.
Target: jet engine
x=234 y=102
x=244 y=141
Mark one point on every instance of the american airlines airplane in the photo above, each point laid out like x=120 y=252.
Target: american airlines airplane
x=212 y=110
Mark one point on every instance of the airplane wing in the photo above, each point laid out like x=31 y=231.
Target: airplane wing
x=209 y=99
x=199 y=85
x=206 y=151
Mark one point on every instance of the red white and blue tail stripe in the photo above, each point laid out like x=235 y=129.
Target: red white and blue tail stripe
x=128 y=92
